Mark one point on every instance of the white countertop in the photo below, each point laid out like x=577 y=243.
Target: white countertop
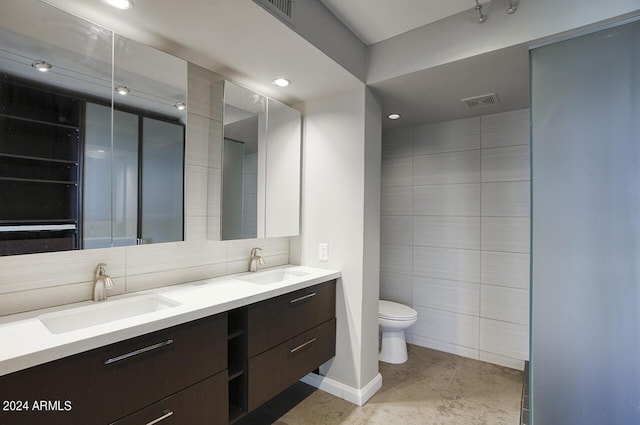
x=26 y=342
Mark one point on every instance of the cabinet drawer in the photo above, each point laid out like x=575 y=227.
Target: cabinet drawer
x=277 y=369
x=110 y=382
x=274 y=321
x=202 y=403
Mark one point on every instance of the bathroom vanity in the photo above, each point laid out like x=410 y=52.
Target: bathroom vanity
x=210 y=370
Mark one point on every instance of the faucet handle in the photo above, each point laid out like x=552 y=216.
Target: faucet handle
x=100 y=269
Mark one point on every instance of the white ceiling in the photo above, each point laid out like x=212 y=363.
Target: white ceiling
x=376 y=20
x=236 y=38
x=434 y=94
x=243 y=42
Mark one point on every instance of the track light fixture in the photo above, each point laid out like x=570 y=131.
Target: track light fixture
x=513 y=6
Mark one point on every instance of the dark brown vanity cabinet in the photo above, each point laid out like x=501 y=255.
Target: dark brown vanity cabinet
x=288 y=337
x=177 y=373
x=40 y=169
x=211 y=371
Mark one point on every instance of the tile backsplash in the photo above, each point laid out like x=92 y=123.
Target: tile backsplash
x=29 y=282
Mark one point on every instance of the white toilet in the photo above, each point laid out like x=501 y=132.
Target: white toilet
x=394 y=318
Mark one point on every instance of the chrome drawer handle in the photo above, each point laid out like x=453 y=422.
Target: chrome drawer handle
x=161 y=418
x=140 y=351
x=300 y=347
x=313 y=294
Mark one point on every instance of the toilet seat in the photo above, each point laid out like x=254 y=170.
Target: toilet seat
x=395 y=311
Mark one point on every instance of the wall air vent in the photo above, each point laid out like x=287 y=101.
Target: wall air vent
x=483 y=100
x=281 y=9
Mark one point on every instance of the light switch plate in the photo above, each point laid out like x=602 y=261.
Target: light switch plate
x=323 y=252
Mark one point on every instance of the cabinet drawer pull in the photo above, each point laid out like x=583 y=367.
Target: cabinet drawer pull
x=313 y=294
x=140 y=351
x=301 y=346
x=161 y=418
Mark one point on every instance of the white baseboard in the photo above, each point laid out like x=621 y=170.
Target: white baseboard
x=338 y=389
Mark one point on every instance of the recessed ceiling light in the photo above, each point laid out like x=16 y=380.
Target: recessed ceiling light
x=393 y=116
x=41 y=66
x=120 y=4
x=123 y=90
x=281 y=82
x=181 y=106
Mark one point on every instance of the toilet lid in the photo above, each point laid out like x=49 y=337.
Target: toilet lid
x=396 y=311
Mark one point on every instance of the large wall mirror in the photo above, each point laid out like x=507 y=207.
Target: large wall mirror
x=261 y=166
x=92 y=135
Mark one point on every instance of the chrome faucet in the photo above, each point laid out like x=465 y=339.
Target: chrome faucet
x=101 y=281
x=255 y=259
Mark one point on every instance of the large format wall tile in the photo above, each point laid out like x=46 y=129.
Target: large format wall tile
x=396 y=258
x=456 y=200
x=397 y=172
x=506 y=164
x=453 y=328
x=505 y=129
x=448 y=136
x=446 y=168
x=506 y=304
x=445 y=263
x=197 y=142
x=397 y=143
x=396 y=287
x=174 y=255
x=396 y=200
x=396 y=230
x=447 y=231
x=506 y=199
x=16 y=302
x=505 y=269
x=196 y=195
x=447 y=295
x=509 y=234
x=37 y=271
x=506 y=339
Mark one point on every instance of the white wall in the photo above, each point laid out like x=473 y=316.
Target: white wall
x=460 y=36
x=341 y=145
x=455 y=233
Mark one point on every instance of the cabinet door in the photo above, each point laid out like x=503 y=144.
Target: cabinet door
x=277 y=369
x=274 y=321
x=204 y=403
x=108 y=383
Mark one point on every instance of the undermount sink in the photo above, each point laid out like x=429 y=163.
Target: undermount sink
x=271 y=276
x=104 y=312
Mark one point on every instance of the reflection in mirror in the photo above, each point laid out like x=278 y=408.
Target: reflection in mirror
x=50 y=62
x=244 y=132
x=148 y=150
x=72 y=166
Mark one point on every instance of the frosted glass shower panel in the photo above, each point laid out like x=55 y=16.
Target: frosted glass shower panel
x=585 y=357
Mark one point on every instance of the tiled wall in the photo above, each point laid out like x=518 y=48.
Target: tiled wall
x=455 y=233
x=203 y=156
x=29 y=282
x=33 y=281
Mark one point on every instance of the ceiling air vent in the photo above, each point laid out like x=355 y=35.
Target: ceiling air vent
x=281 y=9
x=483 y=100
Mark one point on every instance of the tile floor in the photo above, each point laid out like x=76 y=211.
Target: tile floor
x=431 y=388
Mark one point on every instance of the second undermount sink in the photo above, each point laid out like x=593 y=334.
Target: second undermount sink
x=97 y=314
x=272 y=276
